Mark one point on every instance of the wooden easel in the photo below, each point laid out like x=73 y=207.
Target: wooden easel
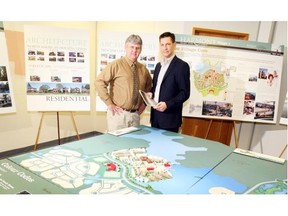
x=282 y=152
x=234 y=128
x=58 y=129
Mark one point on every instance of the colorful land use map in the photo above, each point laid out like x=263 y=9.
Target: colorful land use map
x=208 y=79
x=151 y=161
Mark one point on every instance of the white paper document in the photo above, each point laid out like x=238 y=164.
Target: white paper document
x=123 y=131
x=259 y=155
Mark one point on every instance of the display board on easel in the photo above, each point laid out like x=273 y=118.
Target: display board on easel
x=7 y=101
x=57 y=71
x=232 y=79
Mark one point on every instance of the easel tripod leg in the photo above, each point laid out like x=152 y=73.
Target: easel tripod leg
x=282 y=152
x=235 y=134
x=208 y=129
x=74 y=124
x=38 y=133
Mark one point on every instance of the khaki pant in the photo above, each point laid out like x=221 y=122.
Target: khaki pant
x=122 y=120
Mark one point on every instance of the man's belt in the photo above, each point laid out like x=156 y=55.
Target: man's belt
x=130 y=110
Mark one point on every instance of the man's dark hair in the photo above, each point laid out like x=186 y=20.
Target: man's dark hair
x=167 y=34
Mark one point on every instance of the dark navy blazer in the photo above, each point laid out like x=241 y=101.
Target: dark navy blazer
x=174 y=90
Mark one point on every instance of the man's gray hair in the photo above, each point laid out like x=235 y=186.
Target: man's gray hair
x=134 y=39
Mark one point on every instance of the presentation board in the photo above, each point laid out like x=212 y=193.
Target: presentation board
x=57 y=69
x=232 y=79
x=7 y=102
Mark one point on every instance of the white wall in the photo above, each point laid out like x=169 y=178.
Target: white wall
x=273 y=139
x=20 y=129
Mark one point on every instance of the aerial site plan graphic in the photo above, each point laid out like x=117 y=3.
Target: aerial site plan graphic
x=145 y=161
x=210 y=79
x=104 y=173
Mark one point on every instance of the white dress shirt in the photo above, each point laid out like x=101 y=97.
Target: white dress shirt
x=164 y=66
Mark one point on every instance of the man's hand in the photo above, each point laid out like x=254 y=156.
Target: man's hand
x=161 y=106
x=149 y=94
x=115 y=109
